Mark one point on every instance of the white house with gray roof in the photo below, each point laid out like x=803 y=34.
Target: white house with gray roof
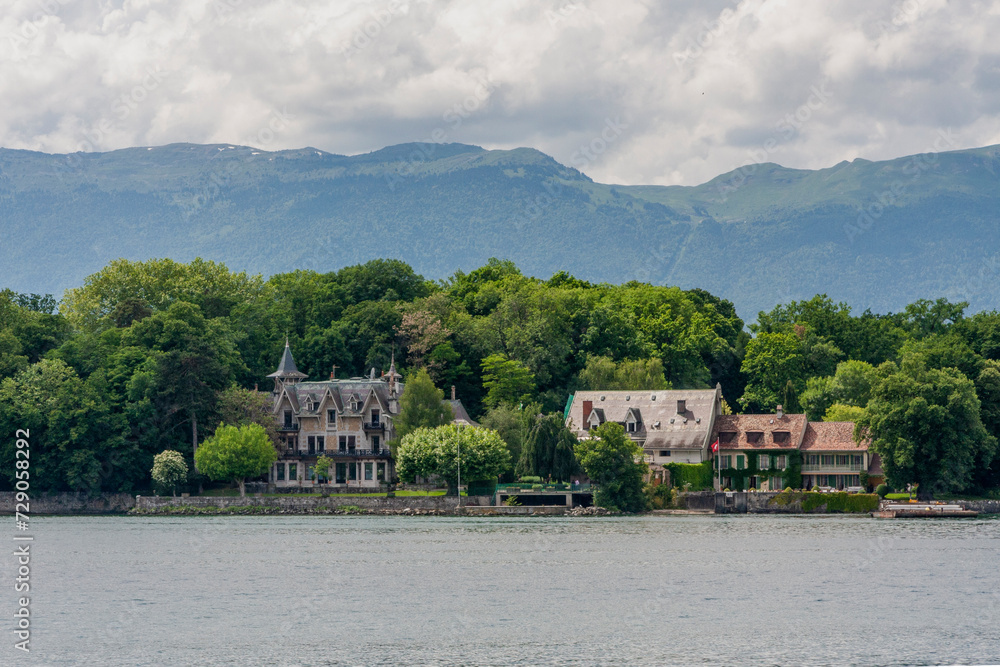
x=671 y=426
x=350 y=421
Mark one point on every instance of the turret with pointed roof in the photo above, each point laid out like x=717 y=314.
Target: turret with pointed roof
x=288 y=372
x=392 y=376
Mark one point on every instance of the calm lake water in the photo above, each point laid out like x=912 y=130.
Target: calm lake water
x=752 y=590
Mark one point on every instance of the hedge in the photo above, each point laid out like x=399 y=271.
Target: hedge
x=849 y=503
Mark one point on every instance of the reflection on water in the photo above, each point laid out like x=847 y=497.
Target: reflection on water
x=399 y=590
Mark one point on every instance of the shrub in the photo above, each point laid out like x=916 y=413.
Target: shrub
x=661 y=496
x=531 y=479
x=854 y=503
x=786 y=497
x=536 y=487
x=881 y=490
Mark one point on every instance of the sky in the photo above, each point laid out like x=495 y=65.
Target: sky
x=628 y=91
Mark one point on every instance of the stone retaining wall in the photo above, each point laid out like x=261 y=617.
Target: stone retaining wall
x=981 y=506
x=698 y=500
x=298 y=504
x=759 y=503
x=71 y=503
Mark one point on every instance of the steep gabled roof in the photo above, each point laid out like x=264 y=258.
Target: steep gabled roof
x=334 y=397
x=596 y=412
x=293 y=399
x=664 y=427
x=459 y=415
x=378 y=399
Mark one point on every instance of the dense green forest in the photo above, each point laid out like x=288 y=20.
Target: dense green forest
x=148 y=356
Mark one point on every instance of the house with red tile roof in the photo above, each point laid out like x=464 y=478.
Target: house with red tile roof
x=769 y=452
x=831 y=459
x=759 y=451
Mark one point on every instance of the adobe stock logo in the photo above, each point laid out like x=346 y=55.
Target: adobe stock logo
x=588 y=153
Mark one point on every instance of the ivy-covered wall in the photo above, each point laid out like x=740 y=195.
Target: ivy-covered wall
x=791 y=476
x=699 y=475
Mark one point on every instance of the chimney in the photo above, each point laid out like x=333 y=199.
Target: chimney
x=453 y=392
x=588 y=407
x=681 y=406
x=781 y=411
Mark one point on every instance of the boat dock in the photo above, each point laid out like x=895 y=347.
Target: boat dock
x=922 y=510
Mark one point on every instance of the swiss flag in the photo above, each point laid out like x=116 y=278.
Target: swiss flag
x=715 y=446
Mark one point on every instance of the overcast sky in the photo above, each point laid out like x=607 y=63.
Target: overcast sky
x=630 y=91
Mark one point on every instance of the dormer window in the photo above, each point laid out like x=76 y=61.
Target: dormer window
x=376 y=417
x=754 y=437
x=331 y=418
x=594 y=420
x=781 y=436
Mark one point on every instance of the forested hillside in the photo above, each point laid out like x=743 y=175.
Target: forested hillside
x=874 y=234
x=144 y=357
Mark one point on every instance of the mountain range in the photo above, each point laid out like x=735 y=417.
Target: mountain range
x=876 y=235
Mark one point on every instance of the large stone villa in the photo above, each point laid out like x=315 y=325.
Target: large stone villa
x=350 y=421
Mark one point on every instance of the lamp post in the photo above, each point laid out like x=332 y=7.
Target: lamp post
x=458 y=432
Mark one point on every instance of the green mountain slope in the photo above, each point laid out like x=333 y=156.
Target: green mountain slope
x=757 y=236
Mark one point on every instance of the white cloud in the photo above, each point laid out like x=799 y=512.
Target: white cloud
x=699 y=87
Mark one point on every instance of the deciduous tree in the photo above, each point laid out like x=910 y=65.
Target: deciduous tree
x=422 y=405
x=602 y=373
x=169 y=470
x=615 y=463
x=925 y=425
x=435 y=451
x=235 y=453
x=506 y=381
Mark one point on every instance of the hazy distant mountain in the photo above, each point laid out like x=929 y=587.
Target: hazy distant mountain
x=758 y=236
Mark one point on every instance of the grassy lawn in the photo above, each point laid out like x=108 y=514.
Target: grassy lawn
x=897 y=496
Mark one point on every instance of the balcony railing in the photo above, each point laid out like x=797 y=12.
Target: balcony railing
x=334 y=453
x=374 y=426
x=845 y=467
x=359 y=452
x=288 y=427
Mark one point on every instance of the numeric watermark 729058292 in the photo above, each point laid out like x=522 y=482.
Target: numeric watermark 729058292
x=22 y=546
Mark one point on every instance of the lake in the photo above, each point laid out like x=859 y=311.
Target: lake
x=357 y=590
